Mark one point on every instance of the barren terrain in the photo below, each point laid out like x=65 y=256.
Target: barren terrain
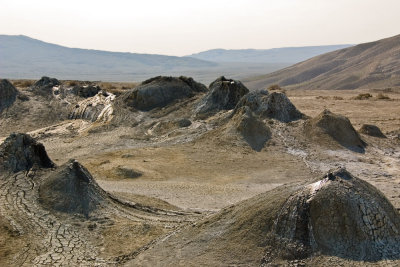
x=162 y=178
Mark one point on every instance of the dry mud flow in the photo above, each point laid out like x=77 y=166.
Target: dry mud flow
x=207 y=177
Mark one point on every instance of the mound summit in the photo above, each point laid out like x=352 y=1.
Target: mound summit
x=20 y=152
x=223 y=94
x=161 y=91
x=274 y=106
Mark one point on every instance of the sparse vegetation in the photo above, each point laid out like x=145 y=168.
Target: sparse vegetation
x=274 y=87
x=72 y=83
x=364 y=96
x=23 y=83
x=337 y=97
x=107 y=86
x=117 y=88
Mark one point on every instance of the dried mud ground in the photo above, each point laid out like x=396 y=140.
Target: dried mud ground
x=201 y=175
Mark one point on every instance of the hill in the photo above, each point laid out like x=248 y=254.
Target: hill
x=368 y=65
x=24 y=57
x=274 y=55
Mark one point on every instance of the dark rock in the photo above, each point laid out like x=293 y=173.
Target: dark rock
x=161 y=91
x=44 y=85
x=337 y=127
x=71 y=189
x=223 y=94
x=20 y=152
x=275 y=105
x=8 y=94
x=86 y=91
x=182 y=123
x=371 y=130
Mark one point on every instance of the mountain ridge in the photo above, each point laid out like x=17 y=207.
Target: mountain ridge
x=367 y=65
x=273 y=55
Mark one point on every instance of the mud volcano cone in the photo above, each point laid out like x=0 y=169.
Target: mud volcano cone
x=336 y=127
x=44 y=86
x=161 y=91
x=250 y=128
x=8 y=94
x=371 y=130
x=223 y=94
x=339 y=215
x=71 y=189
x=275 y=105
x=20 y=152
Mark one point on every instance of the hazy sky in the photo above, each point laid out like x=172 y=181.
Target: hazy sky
x=181 y=27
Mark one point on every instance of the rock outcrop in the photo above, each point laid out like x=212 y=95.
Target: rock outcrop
x=339 y=215
x=336 y=127
x=20 y=152
x=8 y=94
x=71 y=189
x=275 y=105
x=371 y=130
x=223 y=94
x=160 y=91
x=96 y=108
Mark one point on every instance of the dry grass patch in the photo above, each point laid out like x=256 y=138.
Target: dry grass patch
x=23 y=83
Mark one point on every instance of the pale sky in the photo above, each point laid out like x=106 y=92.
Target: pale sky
x=182 y=27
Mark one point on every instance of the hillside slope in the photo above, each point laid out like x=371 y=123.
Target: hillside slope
x=274 y=55
x=24 y=57
x=369 y=65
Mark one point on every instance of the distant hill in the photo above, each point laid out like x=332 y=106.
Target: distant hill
x=275 y=55
x=24 y=57
x=368 y=65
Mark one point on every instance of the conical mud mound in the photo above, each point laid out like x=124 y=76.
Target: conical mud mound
x=20 y=152
x=274 y=106
x=223 y=94
x=71 y=189
x=252 y=129
x=45 y=85
x=331 y=221
x=161 y=91
x=339 y=215
x=328 y=125
x=8 y=94
x=371 y=130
